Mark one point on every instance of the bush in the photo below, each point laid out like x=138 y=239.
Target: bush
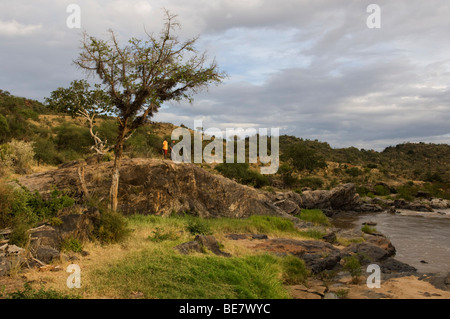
x=71 y=244
x=19 y=235
x=311 y=182
x=302 y=157
x=29 y=293
x=73 y=139
x=17 y=156
x=353 y=171
x=198 y=226
x=242 y=173
x=111 y=227
x=294 y=270
x=382 y=190
x=353 y=265
x=286 y=175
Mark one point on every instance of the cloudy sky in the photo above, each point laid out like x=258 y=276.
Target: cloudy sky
x=313 y=69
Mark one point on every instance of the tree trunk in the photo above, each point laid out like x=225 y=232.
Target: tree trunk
x=118 y=151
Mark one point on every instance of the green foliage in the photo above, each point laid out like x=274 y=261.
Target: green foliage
x=315 y=216
x=353 y=265
x=46 y=152
x=19 y=206
x=19 y=235
x=313 y=233
x=311 y=182
x=71 y=244
x=111 y=227
x=382 y=190
x=354 y=171
x=368 y=229
x=48 y=208
x=286 y=175
x=17 y=156
x=165 y=274
x=30 y=293
x=242 y=173
x=198 y=226
x=160 y=235
x=302 y=158
x=294 y=270
x=73 y=139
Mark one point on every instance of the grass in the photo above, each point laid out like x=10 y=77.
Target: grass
x=164 y=273
x=368 y=229
x=315 y=216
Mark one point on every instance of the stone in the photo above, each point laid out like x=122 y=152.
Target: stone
x=47 y=254
x=392 y=265
x=200 y=244
x=367 y=252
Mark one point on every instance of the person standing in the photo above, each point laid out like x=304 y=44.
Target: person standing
x=165 y=148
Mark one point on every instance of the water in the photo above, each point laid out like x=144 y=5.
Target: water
x=416 y=236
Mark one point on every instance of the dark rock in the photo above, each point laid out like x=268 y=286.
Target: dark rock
x=236 y=236
x=330 y=237
x=200 y=244
x=424 y=262
x=370 y=223
x=47 y=254
x=259 y=236
x=367 y=252
x=393 y=265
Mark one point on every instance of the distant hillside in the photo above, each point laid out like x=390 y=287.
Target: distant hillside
x=404 y=169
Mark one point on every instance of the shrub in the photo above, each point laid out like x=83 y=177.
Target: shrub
x=286 y=175
x=241 y=173
x=198 y=226
x=353 y=171
x=311 y=182
x=45 y=209
x=302 y=157
x=71 y=244
x=294 y=270
x=382 y=190
x=19 y=235
x=111 y=227
x=29 y=293
x=18 y=156
x=74 y=139
x=353 y=265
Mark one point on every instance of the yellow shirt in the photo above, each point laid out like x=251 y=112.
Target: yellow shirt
x=165 y=145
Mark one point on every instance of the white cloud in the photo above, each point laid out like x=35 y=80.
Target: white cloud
x=13 y=28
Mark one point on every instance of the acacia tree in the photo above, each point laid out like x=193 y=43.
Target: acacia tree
x=143 y=74
x=80 y=100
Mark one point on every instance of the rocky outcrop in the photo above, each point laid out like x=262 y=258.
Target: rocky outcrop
x=158 y=187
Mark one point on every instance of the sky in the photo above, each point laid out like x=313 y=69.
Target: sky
x=315 y=69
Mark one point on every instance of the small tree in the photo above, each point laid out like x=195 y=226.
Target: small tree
x=142 y=75
x=79 y=99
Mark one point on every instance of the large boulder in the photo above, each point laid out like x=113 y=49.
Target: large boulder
x=151 y=186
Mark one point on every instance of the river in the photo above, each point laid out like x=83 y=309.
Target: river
x=421 y=240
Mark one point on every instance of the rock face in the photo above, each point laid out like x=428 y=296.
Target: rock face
x=200 y=244
x=158 y=187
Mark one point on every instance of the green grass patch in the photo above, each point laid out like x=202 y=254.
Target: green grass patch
x=315 y=216
x=164 y=273
x=368 y=229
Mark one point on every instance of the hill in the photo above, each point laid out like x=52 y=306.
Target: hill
x=402 y=170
